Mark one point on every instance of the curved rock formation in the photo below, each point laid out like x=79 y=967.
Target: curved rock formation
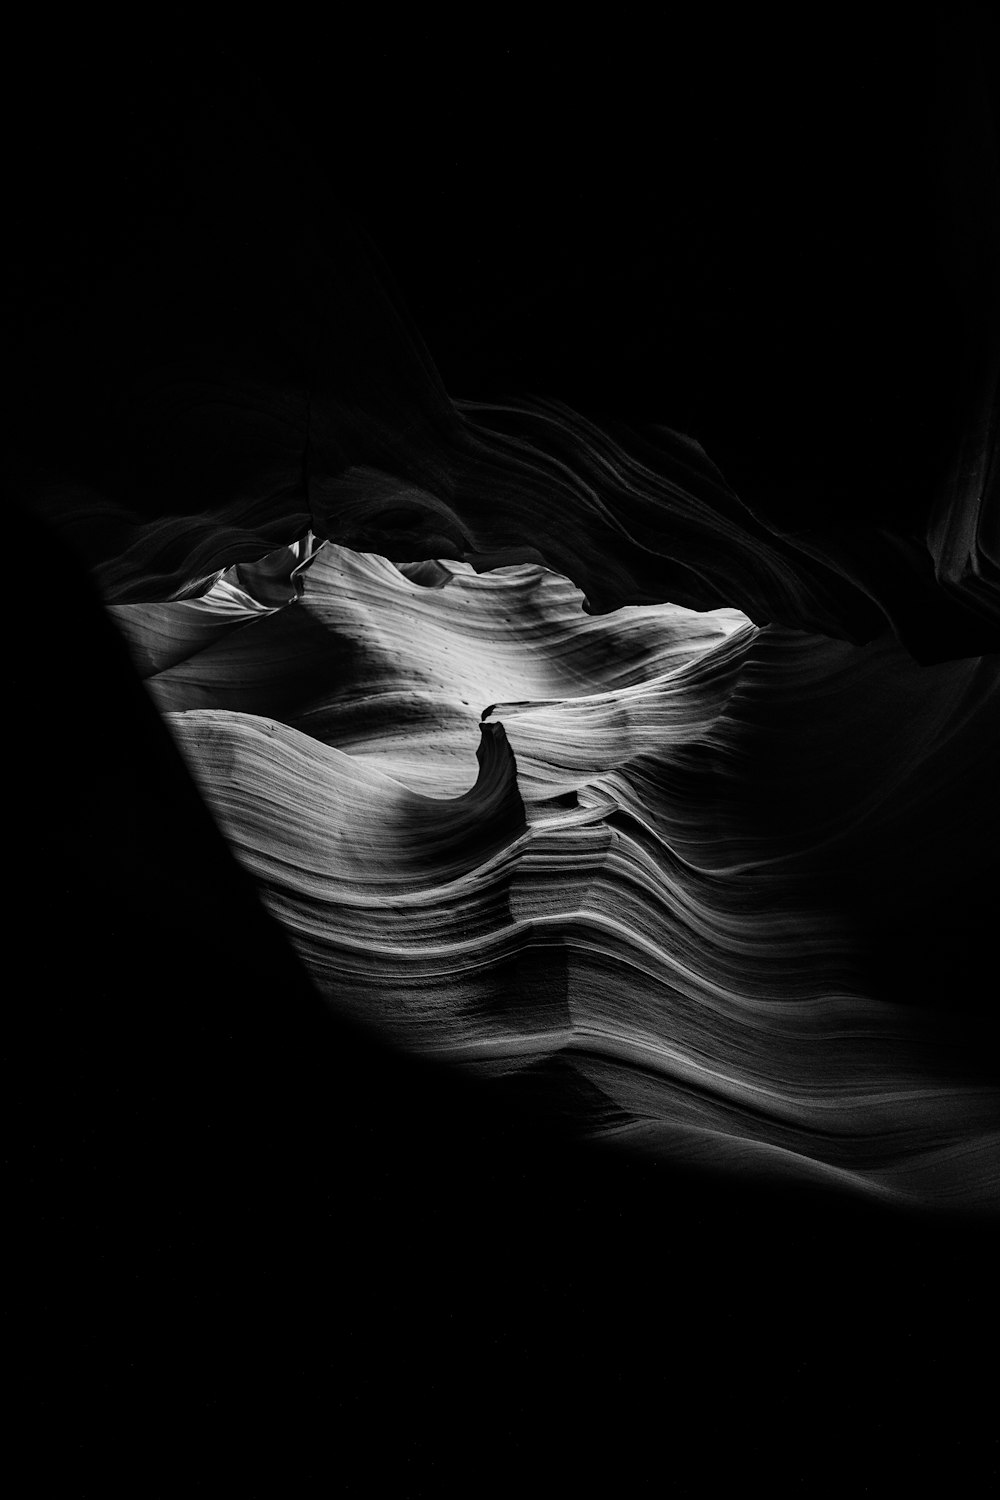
x=574 y=1042
x=648 y=877
x=715 y=786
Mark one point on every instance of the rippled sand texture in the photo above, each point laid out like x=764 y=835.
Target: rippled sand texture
x=641 y=849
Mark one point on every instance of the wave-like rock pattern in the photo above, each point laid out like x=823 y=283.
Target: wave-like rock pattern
x=705 y=811
x=636 y=519
x=642 y=884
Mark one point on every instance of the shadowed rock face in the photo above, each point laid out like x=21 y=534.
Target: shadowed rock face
x=587 y=647
x=242 y=374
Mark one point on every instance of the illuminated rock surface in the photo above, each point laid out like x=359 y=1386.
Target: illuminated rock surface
x=606 y=889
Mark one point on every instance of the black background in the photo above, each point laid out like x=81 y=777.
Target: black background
x=257 y=1252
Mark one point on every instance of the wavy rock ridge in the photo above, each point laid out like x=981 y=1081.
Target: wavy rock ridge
x=643 y=882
